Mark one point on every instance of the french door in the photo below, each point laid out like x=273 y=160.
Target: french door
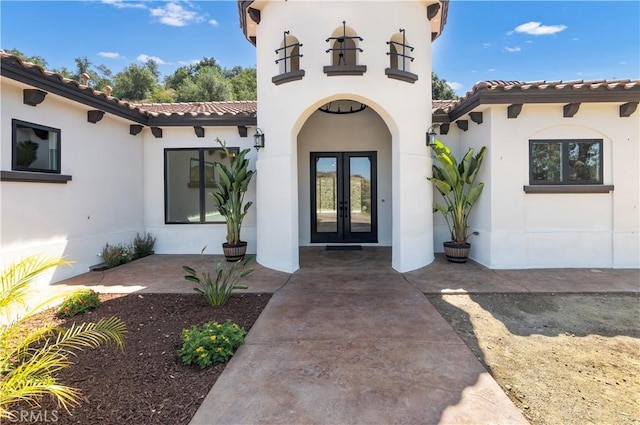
x=343 y=197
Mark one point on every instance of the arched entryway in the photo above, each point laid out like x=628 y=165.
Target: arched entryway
x=344 y=154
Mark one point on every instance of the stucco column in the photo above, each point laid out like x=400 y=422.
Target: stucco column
x=412 y=212
x=277 y=212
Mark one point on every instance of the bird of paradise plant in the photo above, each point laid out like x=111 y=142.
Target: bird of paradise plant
x=456 y=182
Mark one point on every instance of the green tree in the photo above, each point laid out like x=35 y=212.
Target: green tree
x=134 y=83
x=207 y=81
x=162 y=95
x=153 y=67
x=440 y=90
x=244 y=84
x=99 y=77
x=212 y=86
x=38 y=60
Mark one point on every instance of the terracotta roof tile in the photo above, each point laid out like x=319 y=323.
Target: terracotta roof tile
x=442 y=106
x=495 y=86
x=191 y=109
x=243 y=107
x=63 y=80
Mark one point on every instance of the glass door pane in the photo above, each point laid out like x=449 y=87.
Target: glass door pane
x=326 y=195
x=360 y=194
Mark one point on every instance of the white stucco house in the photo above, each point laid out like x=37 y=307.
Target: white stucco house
x=344 y=104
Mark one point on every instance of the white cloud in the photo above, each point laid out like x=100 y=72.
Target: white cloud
x=575 y=39
x=512 y=49
x=121 y=4
x=491 y=70
x=190 y=62
x=213 y=22
x=144 y=58
x=529 y=41
x=110 y=55
x=485 y=45
x=175 y=15
x=536 y=28
x=454 y=86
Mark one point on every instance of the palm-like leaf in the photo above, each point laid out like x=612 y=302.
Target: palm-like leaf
x=456 y=183
x=27 y=372
x=17 y=277
x=229 y=197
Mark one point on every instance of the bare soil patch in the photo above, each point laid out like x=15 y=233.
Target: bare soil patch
x=147 y=383
x=561 y=358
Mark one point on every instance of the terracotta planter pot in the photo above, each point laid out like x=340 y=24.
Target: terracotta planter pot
x=234 y=252
x=456 y=252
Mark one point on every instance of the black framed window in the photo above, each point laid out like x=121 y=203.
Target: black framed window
x=34 y=147
x=565 y=162
x=189 y=178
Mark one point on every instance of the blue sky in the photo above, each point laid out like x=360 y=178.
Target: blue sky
x=506 y=40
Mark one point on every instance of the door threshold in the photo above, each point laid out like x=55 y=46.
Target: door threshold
x=344 y=248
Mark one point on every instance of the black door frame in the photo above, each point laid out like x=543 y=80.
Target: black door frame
x=344 y=233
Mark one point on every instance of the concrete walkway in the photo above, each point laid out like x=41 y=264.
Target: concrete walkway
x=346 y=340
x=353 y=343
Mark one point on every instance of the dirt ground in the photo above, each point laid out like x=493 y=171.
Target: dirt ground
x=147 y=383
x=561 y=358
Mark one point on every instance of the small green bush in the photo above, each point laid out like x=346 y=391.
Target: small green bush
x=143 y=245
x=79 y=302
x=210 y=343
x=114 y=255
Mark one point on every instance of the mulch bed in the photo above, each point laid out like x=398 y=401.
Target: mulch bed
x=147 y=384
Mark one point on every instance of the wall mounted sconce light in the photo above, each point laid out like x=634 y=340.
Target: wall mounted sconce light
x=258 y=139
x=431 y=135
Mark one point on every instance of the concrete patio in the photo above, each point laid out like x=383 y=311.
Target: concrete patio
x=347 y=340
x=164 y=274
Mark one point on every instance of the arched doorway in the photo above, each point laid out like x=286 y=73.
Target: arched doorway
x=344 y=176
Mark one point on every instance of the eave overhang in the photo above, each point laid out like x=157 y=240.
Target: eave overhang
x=246 y=21
x=34 y=77
x=619 y=94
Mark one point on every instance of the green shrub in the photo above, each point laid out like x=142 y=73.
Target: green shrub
x=79 y=302
x=217 y=290
x=210 y=343
x=143 y=245
x=114 y=255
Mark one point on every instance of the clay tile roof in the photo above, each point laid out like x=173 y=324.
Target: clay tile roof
x=442 y=106
x=138 y=112
x=60 y=78
x=550 y=87
x=243 y=107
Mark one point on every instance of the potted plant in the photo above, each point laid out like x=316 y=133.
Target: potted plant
x=456 y=182
x=229 y=197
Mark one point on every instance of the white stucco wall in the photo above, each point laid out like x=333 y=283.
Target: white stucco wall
x=101 y=204
x=520 y=230
x=284 y=109
x=191 y=238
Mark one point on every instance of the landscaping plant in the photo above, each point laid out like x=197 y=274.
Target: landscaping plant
x=210 y=343
x=115 y=255
x=217 y=290
x=456 y=182
x=143 y=245
x=79 y=302
x=29 y=362
x=229 y=196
